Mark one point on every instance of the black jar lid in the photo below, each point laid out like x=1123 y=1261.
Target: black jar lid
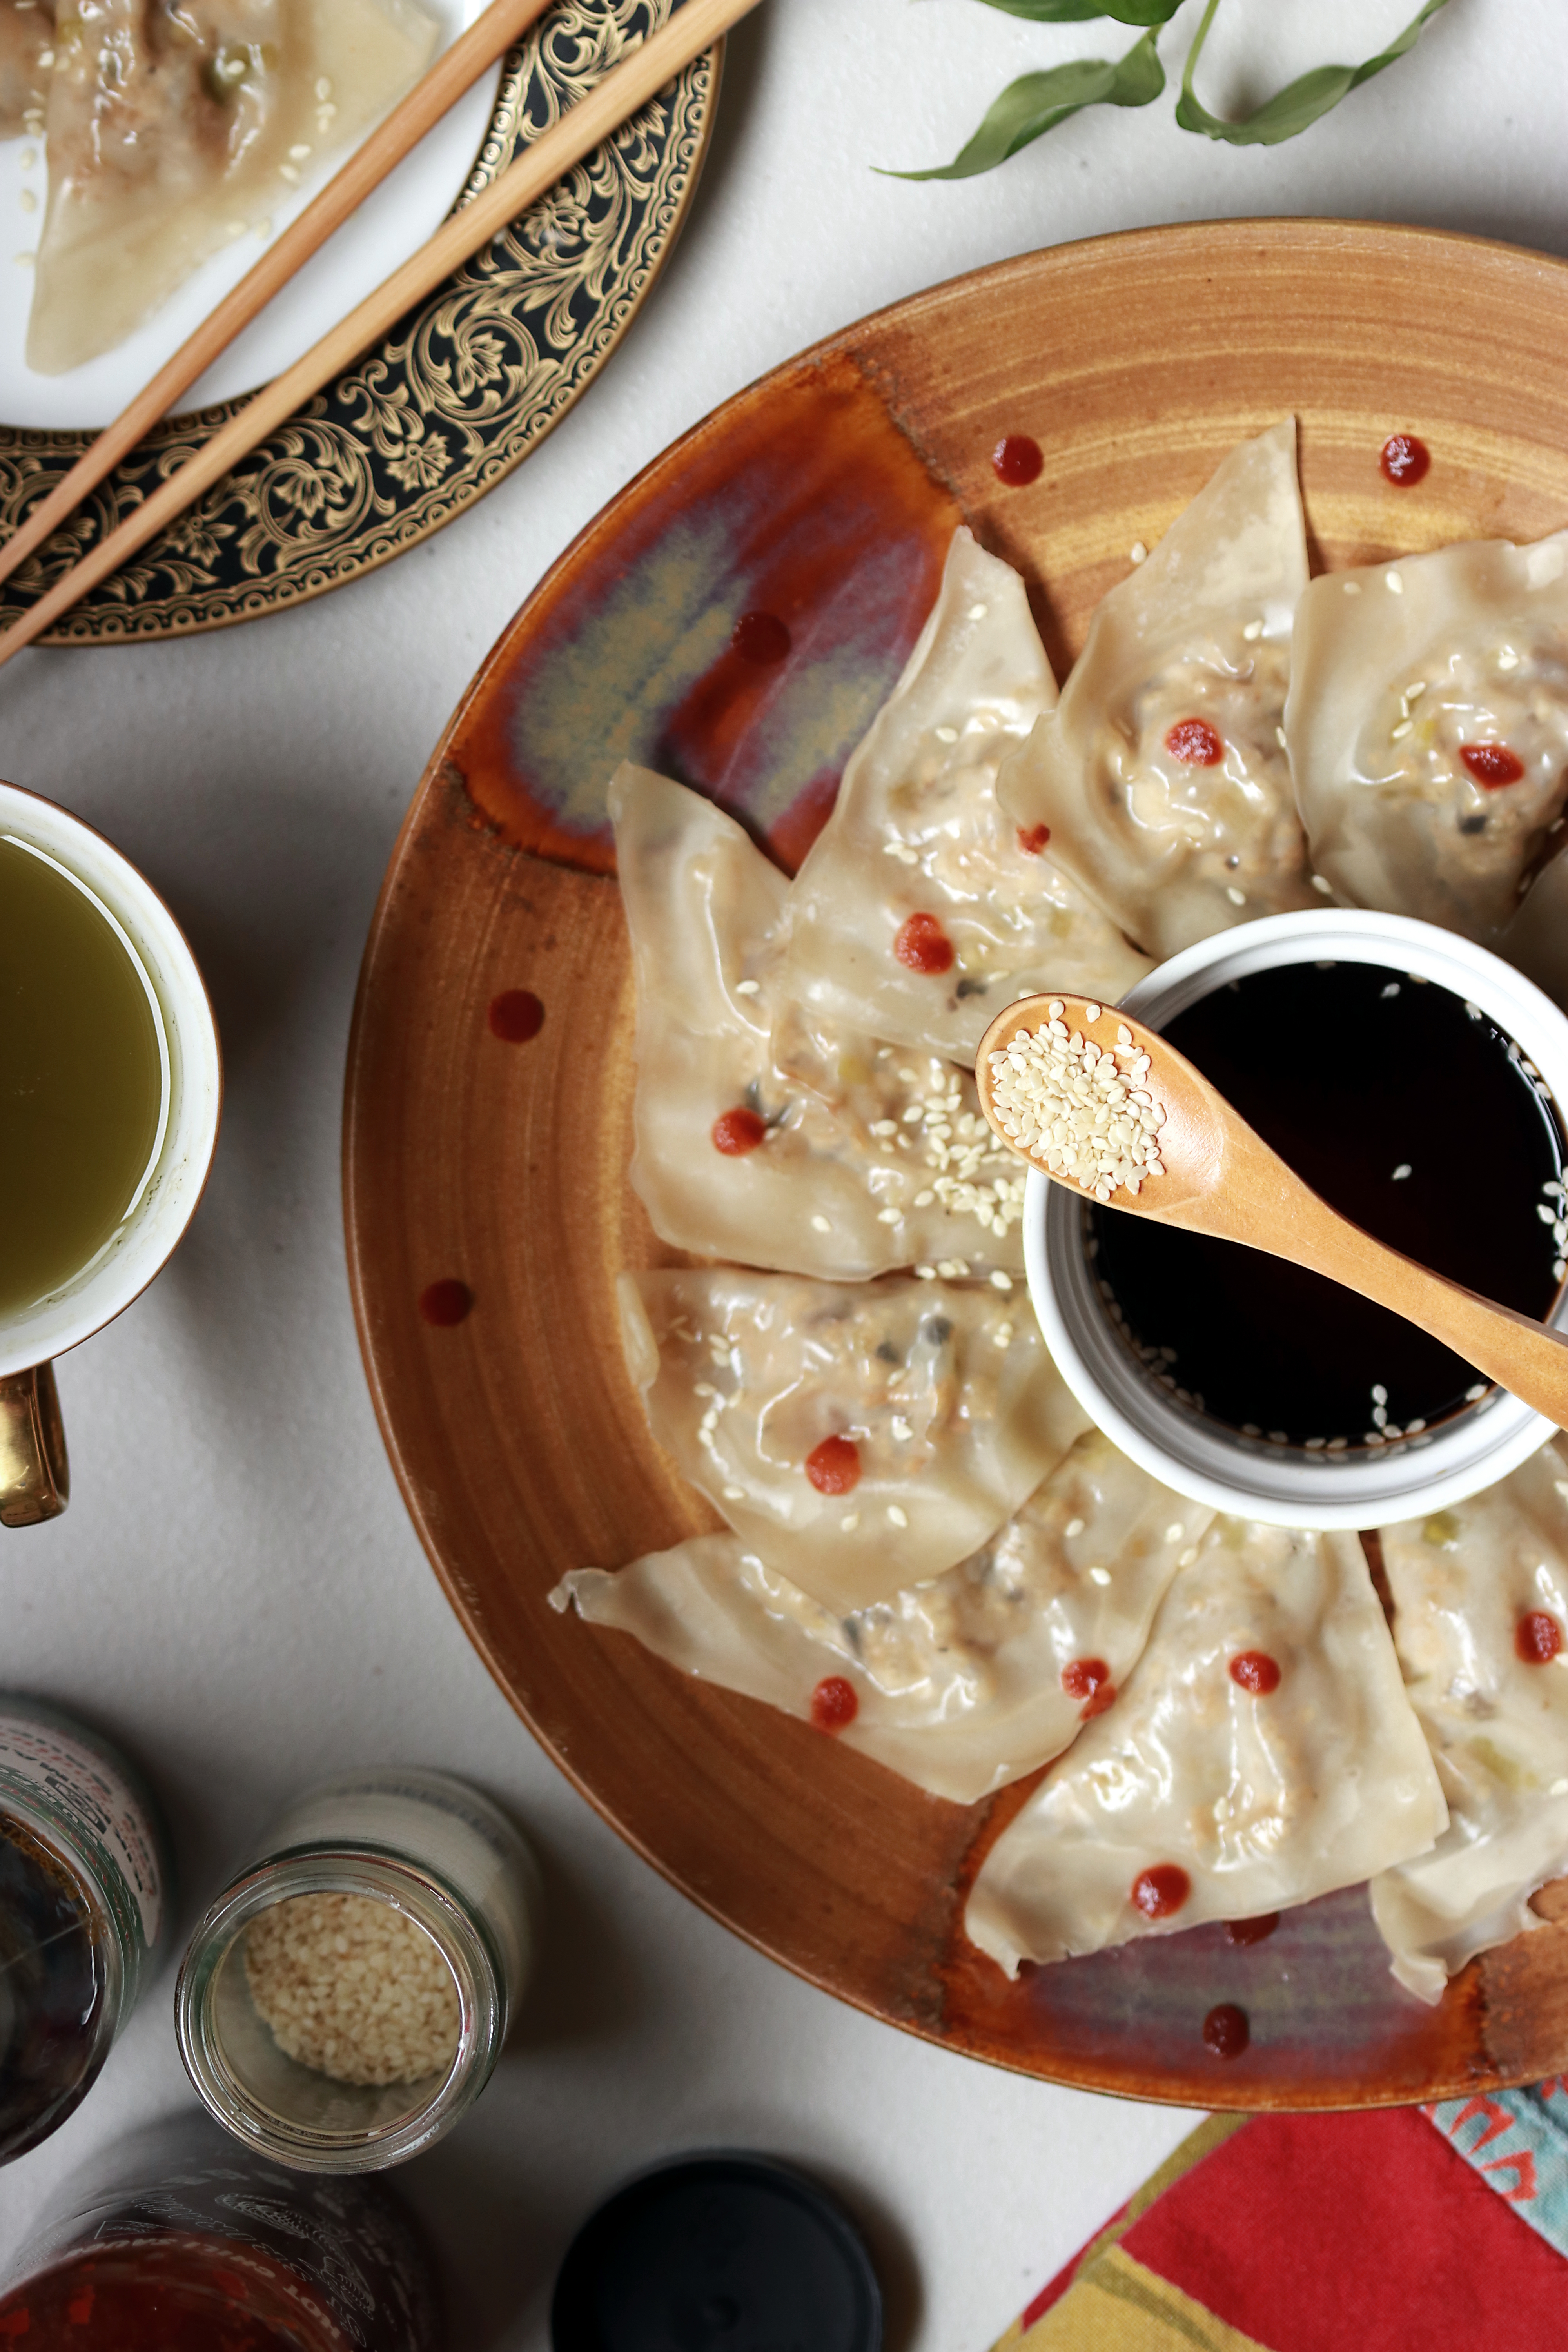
x=717 y=2254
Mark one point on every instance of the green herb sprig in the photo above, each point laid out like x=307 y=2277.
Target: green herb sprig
x=1036 y=102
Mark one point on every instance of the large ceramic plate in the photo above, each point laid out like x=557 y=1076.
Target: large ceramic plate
x=421 y=426
x=827 y=494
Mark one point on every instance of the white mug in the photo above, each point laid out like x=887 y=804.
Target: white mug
x=34 y=1472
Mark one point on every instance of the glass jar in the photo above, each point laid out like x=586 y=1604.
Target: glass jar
x=428 y=1848
x=84 y=1886
x=179 y=2242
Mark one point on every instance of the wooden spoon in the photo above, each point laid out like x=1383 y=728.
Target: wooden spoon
x=1214 y=1174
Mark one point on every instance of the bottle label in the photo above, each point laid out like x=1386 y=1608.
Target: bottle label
x=65 y=1773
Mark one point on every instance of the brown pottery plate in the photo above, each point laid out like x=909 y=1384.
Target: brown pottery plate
x=489 y=1106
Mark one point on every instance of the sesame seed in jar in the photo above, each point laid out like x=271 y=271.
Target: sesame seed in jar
x=353 y=1988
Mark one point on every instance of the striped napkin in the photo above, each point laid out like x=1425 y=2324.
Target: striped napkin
x=1404 y=2227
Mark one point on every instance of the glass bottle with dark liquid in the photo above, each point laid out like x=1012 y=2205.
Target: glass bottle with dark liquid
x=1413 y=1115
x=182 y=2242
x=83 y=1882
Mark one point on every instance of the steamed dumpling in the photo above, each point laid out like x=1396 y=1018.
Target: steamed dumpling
x=1210 y=1791
x=174 y=126
x=1481 y=1598
x=922 y=911
x=1428 y=729
x=1162 y=775
x=859 y=1437
x=26 y=37
x=764 y=1133
x=961 y=1684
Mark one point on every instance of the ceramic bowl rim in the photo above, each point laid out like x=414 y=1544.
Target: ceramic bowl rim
x=1410 y=1479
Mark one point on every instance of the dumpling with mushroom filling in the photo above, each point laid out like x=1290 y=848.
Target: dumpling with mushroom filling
x=1481 y=1594
x=26 y=38
x=921 y=910
x=1261 y=1752
x=174 y=126
x=1428 y=729
x=859 y=1437
x=961 y=1684
x=763 y=1132
x=1161 y=773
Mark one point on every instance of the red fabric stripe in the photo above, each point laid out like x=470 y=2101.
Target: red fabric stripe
x=1311 y=2233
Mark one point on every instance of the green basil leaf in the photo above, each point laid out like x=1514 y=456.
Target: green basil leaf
x=1038 y=101
x=1078 y=12
x=1298 y=105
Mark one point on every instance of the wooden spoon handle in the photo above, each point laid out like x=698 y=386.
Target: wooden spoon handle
x=1526 y=1357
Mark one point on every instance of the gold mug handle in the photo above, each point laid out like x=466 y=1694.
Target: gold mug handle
x=34 y=1470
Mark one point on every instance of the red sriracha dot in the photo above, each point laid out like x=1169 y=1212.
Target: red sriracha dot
x=1161 y=1891
x=1081 y=1678
x=1405 y=460
x=923 y=945
x=1251 y=1931
x=738 y=1131
x=1195 y=742
x=834 y=1466
x=834 y=1703
x=1225 y=2031
x=1492 y=764
x=1538 y=1638
x=444 y=1304
x=1257 y=1672
x=1032 y=838
x=1017 y=460
x=516 y=1016
x=1096 y=1703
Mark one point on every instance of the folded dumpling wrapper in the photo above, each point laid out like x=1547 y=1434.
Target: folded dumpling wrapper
x=958 y=1682
x=871 y=1156
x=1257 y=1800
x=175 y=126
x=1398 y=670
x=1463 y=1582
x=859 y=1437
x=920 y=867
x=26 y=38
x=1191 y=653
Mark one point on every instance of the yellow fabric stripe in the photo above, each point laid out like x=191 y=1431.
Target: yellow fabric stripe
x=1198 y=2144
x=1117 y=2305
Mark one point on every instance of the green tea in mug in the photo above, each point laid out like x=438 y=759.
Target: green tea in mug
x=82 y=1077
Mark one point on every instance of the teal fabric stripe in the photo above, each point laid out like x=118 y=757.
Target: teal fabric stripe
x=1518 y=2142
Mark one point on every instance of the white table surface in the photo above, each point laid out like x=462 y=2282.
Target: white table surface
x=235 y=1593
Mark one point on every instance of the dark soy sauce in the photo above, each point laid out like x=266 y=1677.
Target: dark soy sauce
x=1352 y=1073
x=50 y=1990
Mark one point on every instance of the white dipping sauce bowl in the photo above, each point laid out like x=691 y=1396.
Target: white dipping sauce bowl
x=1369 y=1487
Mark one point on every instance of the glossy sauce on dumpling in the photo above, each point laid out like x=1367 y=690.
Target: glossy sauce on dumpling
x=1160 y=773
x=1428 y=729
x=963 y=1683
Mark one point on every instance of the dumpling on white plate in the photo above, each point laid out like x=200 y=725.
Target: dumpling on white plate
x=922 y=910
x=961 y=1684
x=1480 y=1596
x=859 y=1436
x=1261 y=1752
x=1162 y=776
x=1428 y=729
x=764 y=1133
x=175 y=126
x=26 y=37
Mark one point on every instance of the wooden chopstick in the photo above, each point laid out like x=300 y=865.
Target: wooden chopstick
x=489 y=37
x=638 y=79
